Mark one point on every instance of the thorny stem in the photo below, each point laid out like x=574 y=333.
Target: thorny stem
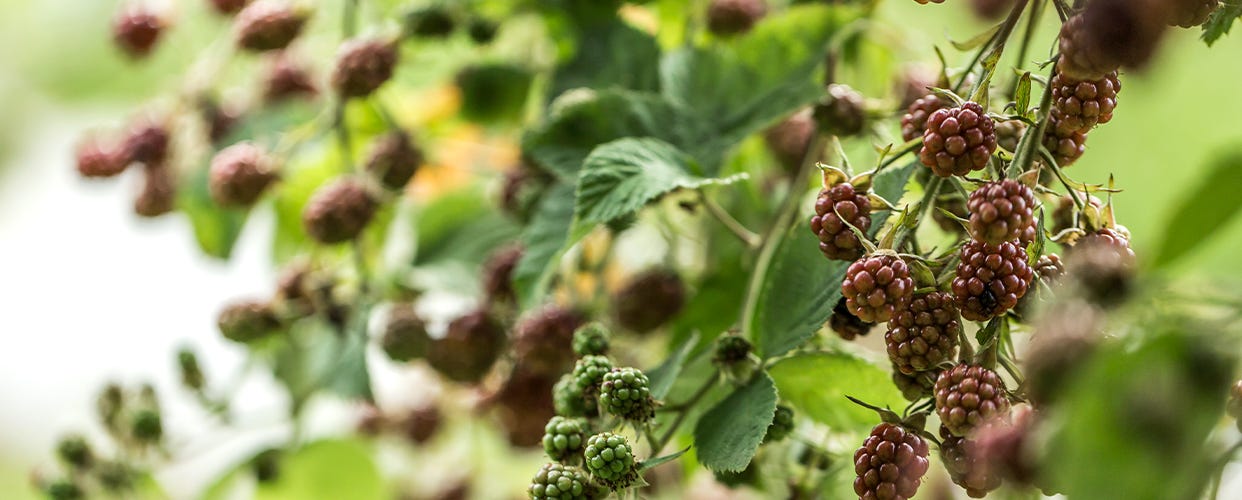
x=683 y=411
x=747 y=236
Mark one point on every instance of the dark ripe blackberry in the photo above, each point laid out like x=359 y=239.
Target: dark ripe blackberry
x=592 y=339
x=564 y=438
x=924 y=334
x=561 y=482
x=610 y=459
x=1234 y=406
x=468 y=348
x=1191 y=13
x=240 y=174
x=1109 y=34
x=1002 y=447
x=964 y=466
x=136 y=29
x=991 y=9
x=782 y=424
x=967 y=396
x=146 y=142
x=1001 y=211
x=287 y=79
x=1066 y=149
x=836 y=209
x=958 y=140
x=498 y=274
x=841 y=112
x=405 y=334
x=648 y=300
x=1102 y=266
x=96 y=159
x=421 y=424
x=990 y=279
x=228 y=7
x=914 y=122
x=890 y=464
x=524 y=405
x=393 y=160
x=1009 y=133
x=267 y=25
x=159 y=193
x=626 y=393
x=338 y=212
x=247 y=320
x=732 y=17
x=845 y=323
x=914 y=387
x=789 y=140
x=1080 y=105
x=543 y=340
x=363 y=65
x=877 y=286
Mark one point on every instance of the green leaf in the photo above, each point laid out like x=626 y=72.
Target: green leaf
x=610 y=55
x=460 y=226
x=1023 y=94
x=654 y=462
x=543 y=241
x=1221 y=21
x=337 y=469
x=215 y=228
x=727 y=436
x=1204 y=209
x=494 y=92
x=817 y=385
x=663 y=376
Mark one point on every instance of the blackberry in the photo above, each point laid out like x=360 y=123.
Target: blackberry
x=592 y=339
x=588 y=376
x=990 y=279
x=524 y=404
x=95 y=159
x=731 y=349
x=1001 y=211
x=1103 y=267
x=732 y=17
x=338 y=212
x=877 y=286
x=286 y=80
x=189 y=369
x=1108 y=34
x=146 y=142
x=228 y=7
x=611 y=460
x=1009 y=133
x=564 y=439
x=914 y=122
x=841 y=112
x=136 y=29
x=648 y=300
x=914 y=387
x=247 y=320
x=836 y=209
x=220 y=120
x=1083 y=104
x=363 y=65
x=924 y=334
x=158 y=195
x=498 y=275
x=626 y=393
x=421 y=424
x=964 y=466
x=543 y=340
x=912 y=85
x=468 y=348
x=240 y=174
x=267 y=25
x=75 y=451
x=1066 y=336
x=890 y=464
x=393 y=160
x=521 y=191
x=1234 y=406
x=790 y=139
x=1002 y=448
x=561 y=482
x=567 y=399
x=1049 y=268
x=1066 y=149
x=1191 y=13
x=845 y=323
x=967 y=395
x=782 y=424
x=958 y=140
x=405 y=335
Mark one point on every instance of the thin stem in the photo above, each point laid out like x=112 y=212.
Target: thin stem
x=1056 y=169
x=349 y=18
x=747 y=236
x=1063 y=10
x=342 y=134
x=685 y=410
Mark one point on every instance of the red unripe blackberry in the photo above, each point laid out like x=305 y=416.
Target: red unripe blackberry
x=393 y=160
x=914 y=122
x=890 y=464
x=841 y=112
x=95 y=159
x=338 y=212
x=468 y=348
x=964 y=465
x=524 y=404
x=228 y=7
x=240 y=174
x=498 y=274
x=845 y=323
x=146 y=142
x=834 y=208
x=1002 y=447
x=967 y=396
x=877 y=286
x=1191 y=13
x=363 y=65
x=648 y=300
x=958 y=140
x=1109 y=34
x=247 y=320
x=1108 y=238
x=405 y=334
x=1065 y=149
x=266 y=25
x=543 y=342
x=924 y=334
x=1066 y=337
x=1102 y=265
x=915 y=387
x=990 y=279
x=1009 y=133
x=158 y=195
x=1001 y=211
x=925 y=2
x=1049 y=268
x=136 y=29
x=287 y=79
x=790 y=139
x=220 y=120
x=421 y=424
x=732 y=17
x=1082 y=104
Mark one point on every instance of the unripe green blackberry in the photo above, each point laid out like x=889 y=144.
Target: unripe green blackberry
x=95 y=159
x=468 y=348
x=958 y=140
x=611 y=460
x=964 y=466
x=890 y=464
x=560 y=482
x=146 y=426
x=924 y=334
x=1191 y=13
x=498 y=275
x=1083 y=104
x=75 y=451
x=432 y=21
x=588 y=375
x=363 y=65
x=115 y=476
x=841 y=112
x=567 y=398
x=146 y=142
x=564 y=439
x=1001 y=211
x=967 y=395
x=240 y=174
x=108 y=405
x=731 y=349
x=64 y=489
x=1234 y=406
x=393 y=160
x=836 y=209
x=338 y=212
x=732 y=17
x=845 y=323
x=914 y=122
x=228 y=7
x=267 y=25
x=790 y=139
x=914 y=387
x=648 y=300
x=136 y=29
x=191 y=373
x=990 y=279
x=626 y=393
x=287 y=79
x=159 y=193
x=247 y=320
x=543 y=340
x=782 y=424
x=592 y=339
x=421 y=424
x=405 y=334
x=877 y=286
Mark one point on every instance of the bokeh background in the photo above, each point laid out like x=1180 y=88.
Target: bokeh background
x=90 y=293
